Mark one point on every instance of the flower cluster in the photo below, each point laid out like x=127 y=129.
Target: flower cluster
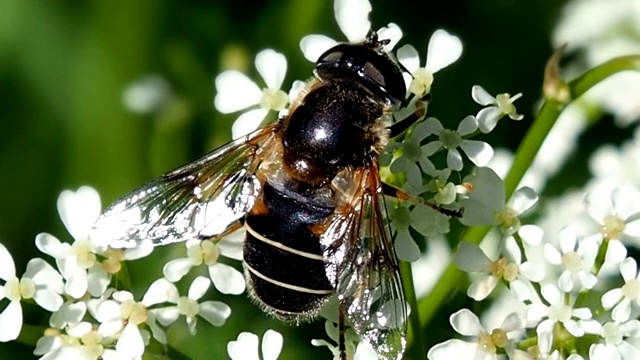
x=90 y=317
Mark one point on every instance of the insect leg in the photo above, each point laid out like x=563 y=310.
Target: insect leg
x=403 y=196
x=239 y=224
x=401 y=125
x=341 y=342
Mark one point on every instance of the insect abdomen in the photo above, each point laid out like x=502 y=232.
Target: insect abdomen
x=283 y=262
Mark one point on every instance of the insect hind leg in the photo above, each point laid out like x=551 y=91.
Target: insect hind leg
x=404 y=196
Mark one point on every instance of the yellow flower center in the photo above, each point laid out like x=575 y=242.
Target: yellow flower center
x=504 y=269
x=16 y=289
x=631 y=290
x=508 y=220
x=421 y=83
x=273 y=99
x=187 y=307
x=572 y=261
x=612 y=227
x=134 y=312
x=84 y=251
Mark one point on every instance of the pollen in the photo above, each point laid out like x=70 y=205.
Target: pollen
x=631 y=290
x=502 y=268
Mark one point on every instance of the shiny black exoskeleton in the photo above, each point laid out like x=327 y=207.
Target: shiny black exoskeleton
x=340 y=122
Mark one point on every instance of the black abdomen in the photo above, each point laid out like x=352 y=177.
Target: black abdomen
x=283 y=261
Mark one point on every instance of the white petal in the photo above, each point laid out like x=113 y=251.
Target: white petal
x=573 y=328
x=77 y=284
x=536 y=311
x=50 y=245
x=79 y=210
x=611 y=297
x=227 y=279
x=46 y=344
x=199 y=287
x=481 y=96
x=443 y=50
x=248 y=122
x=479 y=152
x=602 y=351
x=453 y=350
x=468 y=125
x=481 y=288
x=7 y=266
x=597 y=209
x=245 y=348
x=628 y=351
x=545 y=340
x=97 y=280
x=391 y=32
x=353 y=18
x=520 y=290
x=271 y=345
x=433 y=126
x=523 y=199
x=587 y=279
x=175 y=269
x=631 y=328
x=551 y=293
x=616 y=252
x=10 y=321
x=408 y=57
x=565 y=281
x=532 y=270
x=160 y=291
x=214 y=312
x=628 y=268
x=231 y=246
x=454 y=160
x=470 y=257
x=167 y=315
x=466 y=323
x=582 y=313
x=235 y=91
x=512 y=250
x=138 y=252
x=406 y=248
x=44 y=274
x=313 y=46
x=108 y=310
x=130 y=342
x=567 y=238
x=622 y=311
x=68 y=313
x=591 y=326
x=551 y=254
x=364 y=351
x=488 y=119
x=513 y=322
x=272 y=66
x=531 y=234
x=48 y=300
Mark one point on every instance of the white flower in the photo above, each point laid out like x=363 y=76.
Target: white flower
x=576 y=258
x=246 y=347
x=39 y=282
x=121 y=317
x=225 y=278
x=352 y=17
x=80 y=341
x=147 y=95
x=443 y=50
x=484 y=345
x=486 y=203
x=622 y=298
x=77 y=262
x=214 y=312
x=558 y=311
x=479 y=152
x=236 y=91
x=619 y=219
x=471 y=258
x=615 y=345
x=496 y=107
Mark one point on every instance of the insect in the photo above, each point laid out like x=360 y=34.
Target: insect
x=307 y=190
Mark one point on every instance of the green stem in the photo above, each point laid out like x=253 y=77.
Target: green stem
x=414 y=338
x=524 y=156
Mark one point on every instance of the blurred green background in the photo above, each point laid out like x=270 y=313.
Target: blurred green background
x=65 y=64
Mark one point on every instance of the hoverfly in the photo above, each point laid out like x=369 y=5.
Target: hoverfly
x=308 y=193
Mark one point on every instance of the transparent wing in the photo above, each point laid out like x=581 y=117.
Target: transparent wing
x=361 y=262
x=201 y=199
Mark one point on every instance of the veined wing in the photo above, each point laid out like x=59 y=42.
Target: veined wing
x=201 y=199
x=361 y=262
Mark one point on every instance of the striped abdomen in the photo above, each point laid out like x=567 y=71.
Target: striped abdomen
x=282 y=258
